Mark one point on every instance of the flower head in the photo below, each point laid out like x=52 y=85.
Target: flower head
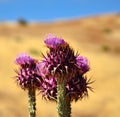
x=76 y=88
x=49 y=89
x=60 y=62
x=53 y=42
x=82 y=63
x=23 y=58
x=27 y=75
x=61 y=59
x=42 y=68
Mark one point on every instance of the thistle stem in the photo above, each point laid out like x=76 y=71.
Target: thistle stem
x=64 y=108
x=32 y=102
x=68 y=108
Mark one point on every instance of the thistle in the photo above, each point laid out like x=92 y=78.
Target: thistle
x=63 y=68
x=60 y=60
x=29 y=79
x=76 y=89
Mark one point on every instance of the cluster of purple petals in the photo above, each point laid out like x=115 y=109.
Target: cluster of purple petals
x=23 y=59
x=42 y=68
x=61 y=61
x=53 y=42
x=27 y=75
x=76 y=88
x=49 y=89
x=82 y=63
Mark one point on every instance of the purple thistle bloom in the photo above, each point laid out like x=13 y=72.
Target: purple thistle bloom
x=49 y=89
x=82 y=63
x=76 y=88
x=53 y=42
x=23 y=58
x=27 y=75
x=42 y=69
x=60 y=61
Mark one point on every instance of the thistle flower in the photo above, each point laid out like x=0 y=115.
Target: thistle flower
x=65 y=69
x=60 y=60
x=76 y=88
x=27 y=75
x=82 y=63
x=23 y=59
x=53 y=42
x=29 y=78
x=49 y=89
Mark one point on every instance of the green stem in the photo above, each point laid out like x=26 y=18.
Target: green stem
x=32 y=102
x=68 y=108
x=64 y=108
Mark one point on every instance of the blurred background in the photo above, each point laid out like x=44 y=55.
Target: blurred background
x=92 y=27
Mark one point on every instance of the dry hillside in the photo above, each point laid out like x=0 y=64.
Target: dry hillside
x=96 y=37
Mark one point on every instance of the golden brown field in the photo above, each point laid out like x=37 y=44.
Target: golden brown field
x=97 y=37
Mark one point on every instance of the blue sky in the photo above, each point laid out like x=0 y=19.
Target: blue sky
x=50 y=10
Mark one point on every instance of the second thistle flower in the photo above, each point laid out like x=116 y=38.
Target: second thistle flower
x=27 y=75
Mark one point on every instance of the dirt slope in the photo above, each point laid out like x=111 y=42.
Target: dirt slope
x=96 y=37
